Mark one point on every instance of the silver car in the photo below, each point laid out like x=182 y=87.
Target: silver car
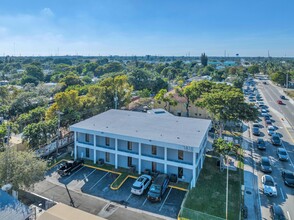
x=269 y=185
x=141 y=184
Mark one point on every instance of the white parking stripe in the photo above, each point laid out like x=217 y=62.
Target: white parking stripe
x=129 y=197
x=74 y=173
x=99 y=181
x=165 y=199
x=144 y=202
x=282 y=193
x=85 y=179
x=289 y=215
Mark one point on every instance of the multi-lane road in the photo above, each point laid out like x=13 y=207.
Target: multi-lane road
x=283 y=120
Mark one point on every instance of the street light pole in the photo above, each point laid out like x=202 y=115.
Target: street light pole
x=227 y=191
x=58 y=132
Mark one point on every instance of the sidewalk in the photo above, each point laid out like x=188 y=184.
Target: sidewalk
x=251 y=194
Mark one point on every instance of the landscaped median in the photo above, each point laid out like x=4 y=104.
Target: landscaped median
x=208 y=199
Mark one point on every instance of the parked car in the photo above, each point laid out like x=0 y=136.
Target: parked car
x=264 y=82
x=268 y=122
x=260 y=144
x=280 y=102
x=267 y=117
x=282 y=154
x=158 y=188
x=264 y=114
x=288 y=177
x=271 y=130
x=265 y=165
x=256 y=131
x=276 y=140
x=260 y=104
x=69 y=167
x=256 y=125
x=282 y=97
x=277 y=213
x=141 y=184
x=269 y=185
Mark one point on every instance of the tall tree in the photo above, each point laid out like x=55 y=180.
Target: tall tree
x=165 y=97
x=20 y=168
x=254 y=69
x=204 y=59
x=226 y=103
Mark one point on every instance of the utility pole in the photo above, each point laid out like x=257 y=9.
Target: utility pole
x=227 y=191
x=58 y=132
x=287 y=80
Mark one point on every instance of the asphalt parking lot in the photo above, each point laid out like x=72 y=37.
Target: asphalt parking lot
x=97 y=183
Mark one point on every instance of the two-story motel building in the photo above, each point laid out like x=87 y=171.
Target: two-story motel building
x=158 y=142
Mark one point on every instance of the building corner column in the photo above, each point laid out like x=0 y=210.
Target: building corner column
x=95 y=159
x=194 y=171
x=115 y=156
x=165 y=160
x=139 y=159
x=75 y=145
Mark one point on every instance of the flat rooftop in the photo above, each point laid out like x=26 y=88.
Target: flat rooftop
x=158 y=127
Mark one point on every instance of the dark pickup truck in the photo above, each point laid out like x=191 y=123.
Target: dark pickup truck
x=70 y=166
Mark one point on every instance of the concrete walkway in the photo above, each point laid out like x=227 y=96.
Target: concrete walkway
x=251 y=195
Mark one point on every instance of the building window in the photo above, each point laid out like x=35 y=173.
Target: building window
x=107 y=141
x=180 y=154
x=153 y=166
x=87 y=138
x=107 y=156
x=154 y=150
x=130 y=145
x=129 y=161
x=180 y=172
x=179 y=113
x=87 y=152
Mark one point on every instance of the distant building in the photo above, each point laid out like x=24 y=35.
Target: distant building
x=3 y=82
x=180 y=108
x=156 y=143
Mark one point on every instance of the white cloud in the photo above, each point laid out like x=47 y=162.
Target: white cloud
x=47 y=12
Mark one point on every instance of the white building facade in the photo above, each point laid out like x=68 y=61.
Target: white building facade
x=144 y=142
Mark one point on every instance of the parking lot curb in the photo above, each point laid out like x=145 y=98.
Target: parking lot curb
x=179 y=188
x=122 y=182
x=99 y=168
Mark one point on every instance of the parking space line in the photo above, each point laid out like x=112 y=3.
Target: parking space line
x=282 y=193
x=98 y=181
x=129 y=197
x=165 y=199
x=73 y=173
x=144 y=202
x=289 y=215
x=85 y=178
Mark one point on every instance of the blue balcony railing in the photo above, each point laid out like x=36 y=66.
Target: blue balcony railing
x=153 y=156
x=128 y=151
x=180 y=161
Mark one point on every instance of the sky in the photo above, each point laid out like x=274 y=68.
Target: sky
x=141 y=27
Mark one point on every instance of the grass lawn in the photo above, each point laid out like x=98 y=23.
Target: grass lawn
x=209 y=195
